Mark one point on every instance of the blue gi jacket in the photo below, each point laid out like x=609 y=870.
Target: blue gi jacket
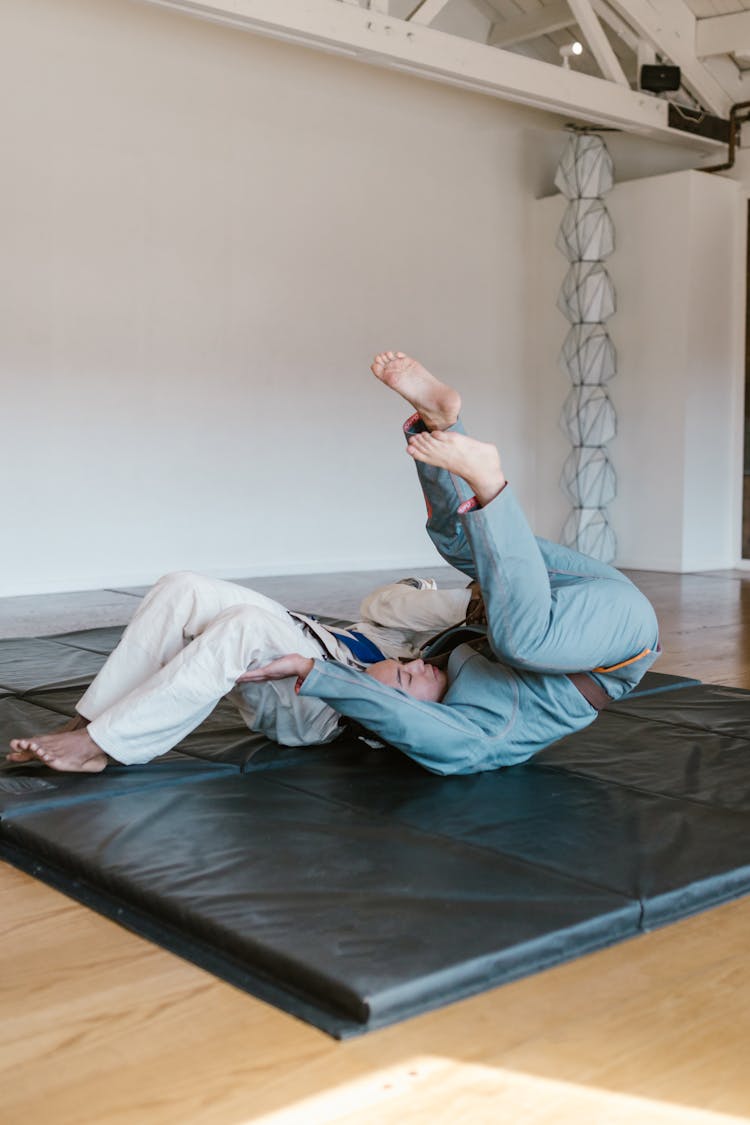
x=550 y=611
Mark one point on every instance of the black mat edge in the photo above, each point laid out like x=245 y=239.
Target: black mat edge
x=659 y=911
x=190 y=949
x=263 y=988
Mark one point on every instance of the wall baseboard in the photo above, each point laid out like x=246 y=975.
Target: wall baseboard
x=116 y=580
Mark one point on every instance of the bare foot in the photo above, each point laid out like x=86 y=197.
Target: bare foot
x=73 y=751
x=19 y=751
x=477 y=462
x=437 y=404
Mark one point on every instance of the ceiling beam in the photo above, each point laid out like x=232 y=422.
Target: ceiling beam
x=552 y=18
x=721 y=35
x=599 y=45
x=357 y=33
x=671 y=27
x=427 y=11
x=617 y=23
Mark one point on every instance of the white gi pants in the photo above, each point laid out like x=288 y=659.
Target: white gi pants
x=189 y=640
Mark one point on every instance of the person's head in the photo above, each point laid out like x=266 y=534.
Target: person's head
x=420 y=680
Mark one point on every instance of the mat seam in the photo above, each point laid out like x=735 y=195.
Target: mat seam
x=647 y=792
x=338 y=802
x=680 y=726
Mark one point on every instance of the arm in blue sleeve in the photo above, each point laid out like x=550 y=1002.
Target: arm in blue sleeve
x=439 y=737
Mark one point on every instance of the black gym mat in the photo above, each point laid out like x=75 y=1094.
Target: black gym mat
x=353 y=889
x=103 y=640
x=33 y=663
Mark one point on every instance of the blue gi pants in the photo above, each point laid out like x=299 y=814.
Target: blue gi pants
x=549 y=608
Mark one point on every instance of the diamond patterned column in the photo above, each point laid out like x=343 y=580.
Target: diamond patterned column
x=587 y=300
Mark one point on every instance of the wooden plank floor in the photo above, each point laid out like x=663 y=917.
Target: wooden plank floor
x=100 y=1026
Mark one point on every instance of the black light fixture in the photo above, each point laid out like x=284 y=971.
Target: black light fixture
x=658 y=78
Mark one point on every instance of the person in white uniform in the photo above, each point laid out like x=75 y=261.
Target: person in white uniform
x=193 y=640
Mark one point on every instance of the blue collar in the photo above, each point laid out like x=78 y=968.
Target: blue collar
x=360 y=646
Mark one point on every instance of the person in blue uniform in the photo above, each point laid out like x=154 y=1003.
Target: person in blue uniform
x=565 y=634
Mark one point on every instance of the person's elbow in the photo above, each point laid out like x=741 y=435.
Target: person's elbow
x=456 y=763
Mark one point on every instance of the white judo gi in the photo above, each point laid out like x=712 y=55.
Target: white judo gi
x=192 y=637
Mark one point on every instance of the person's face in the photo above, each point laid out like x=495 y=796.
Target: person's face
x=420 y=680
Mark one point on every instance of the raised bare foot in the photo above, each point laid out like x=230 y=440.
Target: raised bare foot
x=72 y=751
x=477 y=462
x=437 y=404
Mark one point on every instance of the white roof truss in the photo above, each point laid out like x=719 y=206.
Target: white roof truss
x=600 y=46
x=670 y=27
x=553 y=17
x=426 y=11
x=607 y=15
x=371 y=35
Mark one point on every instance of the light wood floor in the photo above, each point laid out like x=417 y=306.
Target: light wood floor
x=100 y=1026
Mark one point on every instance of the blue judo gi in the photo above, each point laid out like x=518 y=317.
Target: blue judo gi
x=551 y=612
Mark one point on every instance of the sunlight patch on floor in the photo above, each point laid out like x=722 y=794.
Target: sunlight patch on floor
x=480 y=1094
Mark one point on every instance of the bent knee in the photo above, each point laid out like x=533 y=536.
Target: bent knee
x=513 y=650
x=179 y=581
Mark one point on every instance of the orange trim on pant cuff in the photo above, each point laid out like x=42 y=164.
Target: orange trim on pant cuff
x=624 y=663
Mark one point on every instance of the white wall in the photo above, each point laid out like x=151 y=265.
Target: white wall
x=205 y=236
x=679 y=328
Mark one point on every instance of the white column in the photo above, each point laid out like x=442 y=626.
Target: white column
x=587 y=300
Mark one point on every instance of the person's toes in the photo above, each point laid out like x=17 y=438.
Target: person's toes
x=25 y=745
x=418 y=448
x=20 y=750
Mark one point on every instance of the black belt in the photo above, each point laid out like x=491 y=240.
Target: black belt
x=591 y=691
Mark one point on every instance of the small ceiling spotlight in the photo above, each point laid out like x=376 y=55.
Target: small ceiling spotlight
x=568 y=50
